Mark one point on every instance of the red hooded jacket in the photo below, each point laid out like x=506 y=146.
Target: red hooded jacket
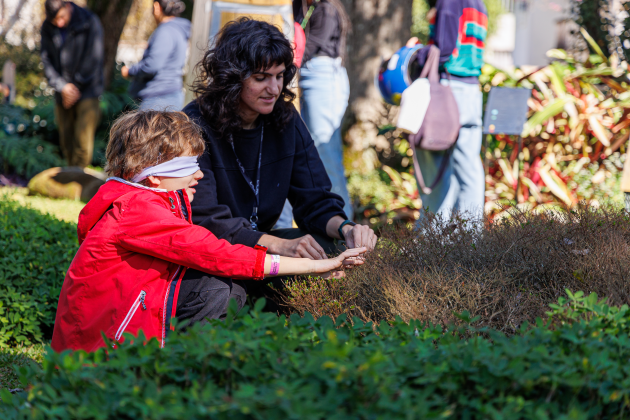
x=135 y=244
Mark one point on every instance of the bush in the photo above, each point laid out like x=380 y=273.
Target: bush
x=35 y=252
x=506 y=272
x=259 y=366
x=12 y=357
x=27 y=140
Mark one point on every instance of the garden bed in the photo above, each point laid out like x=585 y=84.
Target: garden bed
x=505 y=271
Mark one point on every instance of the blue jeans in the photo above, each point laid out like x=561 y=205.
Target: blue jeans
x=325 y=92
x=169 y=102
x=463 y=185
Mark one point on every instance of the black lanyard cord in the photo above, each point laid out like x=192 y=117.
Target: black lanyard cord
x=255 y=189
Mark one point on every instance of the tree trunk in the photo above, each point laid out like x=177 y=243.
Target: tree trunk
x=380 y=28
x=4 y=30
x=113 y=15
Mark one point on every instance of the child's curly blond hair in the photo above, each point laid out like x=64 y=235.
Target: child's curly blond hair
x=140 y=139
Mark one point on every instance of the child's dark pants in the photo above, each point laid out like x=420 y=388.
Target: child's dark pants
x=202 y=296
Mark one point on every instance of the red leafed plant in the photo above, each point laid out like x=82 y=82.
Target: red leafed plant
x=578 y=126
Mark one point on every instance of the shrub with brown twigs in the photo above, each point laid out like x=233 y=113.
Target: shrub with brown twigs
x=506 y=272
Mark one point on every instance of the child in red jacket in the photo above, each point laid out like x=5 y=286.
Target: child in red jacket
x=136 y=238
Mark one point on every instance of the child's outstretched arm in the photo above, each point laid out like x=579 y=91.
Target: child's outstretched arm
x=170 y=238
x=282 y=266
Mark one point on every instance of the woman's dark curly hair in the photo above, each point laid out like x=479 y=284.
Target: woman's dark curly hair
x=242 y=48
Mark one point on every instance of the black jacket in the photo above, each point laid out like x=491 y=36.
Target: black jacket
x=291 y=168
x=78 y=60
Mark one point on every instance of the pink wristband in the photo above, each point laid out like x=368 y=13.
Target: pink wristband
x=275 y=265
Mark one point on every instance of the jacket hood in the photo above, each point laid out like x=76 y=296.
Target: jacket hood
x=181 y=24
x=104 y=199
x=80 y=18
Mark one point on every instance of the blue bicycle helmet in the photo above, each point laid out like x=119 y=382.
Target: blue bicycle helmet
x=396 y=74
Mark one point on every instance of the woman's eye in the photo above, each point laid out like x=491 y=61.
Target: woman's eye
x=260 y=79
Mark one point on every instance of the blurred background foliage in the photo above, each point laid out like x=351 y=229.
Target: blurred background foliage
x=565 y=159
x=29 y=137
x=381 y=183
x=574 y=145
x=574 y=141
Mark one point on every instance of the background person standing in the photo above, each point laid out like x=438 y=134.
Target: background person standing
x=72 y=54
x=325 y=89
x=458 y=28
x=157 y=79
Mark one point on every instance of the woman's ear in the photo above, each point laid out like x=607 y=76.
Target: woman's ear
x=154 y=181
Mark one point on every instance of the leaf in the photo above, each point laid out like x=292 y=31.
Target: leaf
x=556 y=189
x=394 y=175
x=599 y=131
x=593 y=44
x=574 y=116
x=507 y=171
x=550 y=110
x=557 y=79
x=533 y=189
x=559 y=54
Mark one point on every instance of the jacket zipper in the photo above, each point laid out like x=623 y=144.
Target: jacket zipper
x=136 y=304
x=168 y=289
x=164 y=314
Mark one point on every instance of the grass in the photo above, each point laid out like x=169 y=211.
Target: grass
x=10 y=358
x=66 y=210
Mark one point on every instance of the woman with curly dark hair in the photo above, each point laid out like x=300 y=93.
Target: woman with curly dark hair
x=259 y=153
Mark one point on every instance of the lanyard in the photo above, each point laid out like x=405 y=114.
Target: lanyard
x=255 y=189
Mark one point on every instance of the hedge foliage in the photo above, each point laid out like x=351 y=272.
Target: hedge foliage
x=35 y=251
x=259 y=366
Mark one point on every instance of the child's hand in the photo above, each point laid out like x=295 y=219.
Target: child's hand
x=347 y=259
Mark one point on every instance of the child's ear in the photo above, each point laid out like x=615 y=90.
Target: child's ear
x=153 y=181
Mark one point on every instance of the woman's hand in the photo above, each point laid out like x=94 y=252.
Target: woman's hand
x=124 y=71
x=355 y=236
x=304 y=247
x=360 y=236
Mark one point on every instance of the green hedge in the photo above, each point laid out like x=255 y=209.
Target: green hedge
x=35 y=252
x=259 y=366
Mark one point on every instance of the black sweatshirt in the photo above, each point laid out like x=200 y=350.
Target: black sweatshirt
x=291 y=168
x=76 y=58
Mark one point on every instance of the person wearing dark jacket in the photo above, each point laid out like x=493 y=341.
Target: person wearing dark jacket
x=72 y=54
x=259 y=153
x=157 y=79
